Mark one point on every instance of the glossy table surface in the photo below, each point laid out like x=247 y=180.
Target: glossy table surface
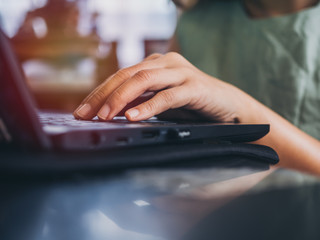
x=204 y=202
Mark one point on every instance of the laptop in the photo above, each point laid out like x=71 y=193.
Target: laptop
x=23 y=126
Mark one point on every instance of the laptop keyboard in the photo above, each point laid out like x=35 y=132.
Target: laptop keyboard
x=64 y=119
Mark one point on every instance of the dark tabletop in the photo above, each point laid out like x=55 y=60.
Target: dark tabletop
x=204 y=202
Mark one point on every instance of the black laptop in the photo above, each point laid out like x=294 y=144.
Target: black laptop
x=22 y=125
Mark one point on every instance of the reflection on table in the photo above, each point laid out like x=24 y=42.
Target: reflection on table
x=165 y=203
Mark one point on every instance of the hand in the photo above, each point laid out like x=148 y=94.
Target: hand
x=176 y=83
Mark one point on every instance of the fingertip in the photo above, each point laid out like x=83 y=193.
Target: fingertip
x=75 y=115
x=83 y=111
x=132 y=114
x=104 y=112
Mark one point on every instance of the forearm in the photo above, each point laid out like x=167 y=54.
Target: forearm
x=296 y=149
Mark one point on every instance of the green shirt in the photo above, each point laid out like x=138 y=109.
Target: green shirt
x=275 y=60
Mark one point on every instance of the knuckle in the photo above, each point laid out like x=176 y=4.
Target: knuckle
x=154 y=55
x=117 y=97
x=174 y=55
x=150 y=106
x=143 y=76
x=99 y=96
x=123 y=73
x=167 y=96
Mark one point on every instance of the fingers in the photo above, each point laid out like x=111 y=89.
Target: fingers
x=142 y=81
x=176 y=82
x=81 y=112
x=171 y=98
x=93 y=103
x=156 y=72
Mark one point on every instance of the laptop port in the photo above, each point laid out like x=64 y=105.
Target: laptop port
x=95 y=138
x=150 y=134
x=122 y=141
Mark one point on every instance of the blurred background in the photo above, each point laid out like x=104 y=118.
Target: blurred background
x=68 y=47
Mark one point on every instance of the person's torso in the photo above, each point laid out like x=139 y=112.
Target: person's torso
x=275 y=60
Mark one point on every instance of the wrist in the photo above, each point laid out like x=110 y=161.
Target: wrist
x=249 y=110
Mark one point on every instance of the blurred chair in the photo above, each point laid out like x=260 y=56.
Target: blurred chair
x=61 y=65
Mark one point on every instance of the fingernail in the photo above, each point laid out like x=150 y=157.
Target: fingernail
x=104 y=112
x=133 y=113
x=84 y=110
